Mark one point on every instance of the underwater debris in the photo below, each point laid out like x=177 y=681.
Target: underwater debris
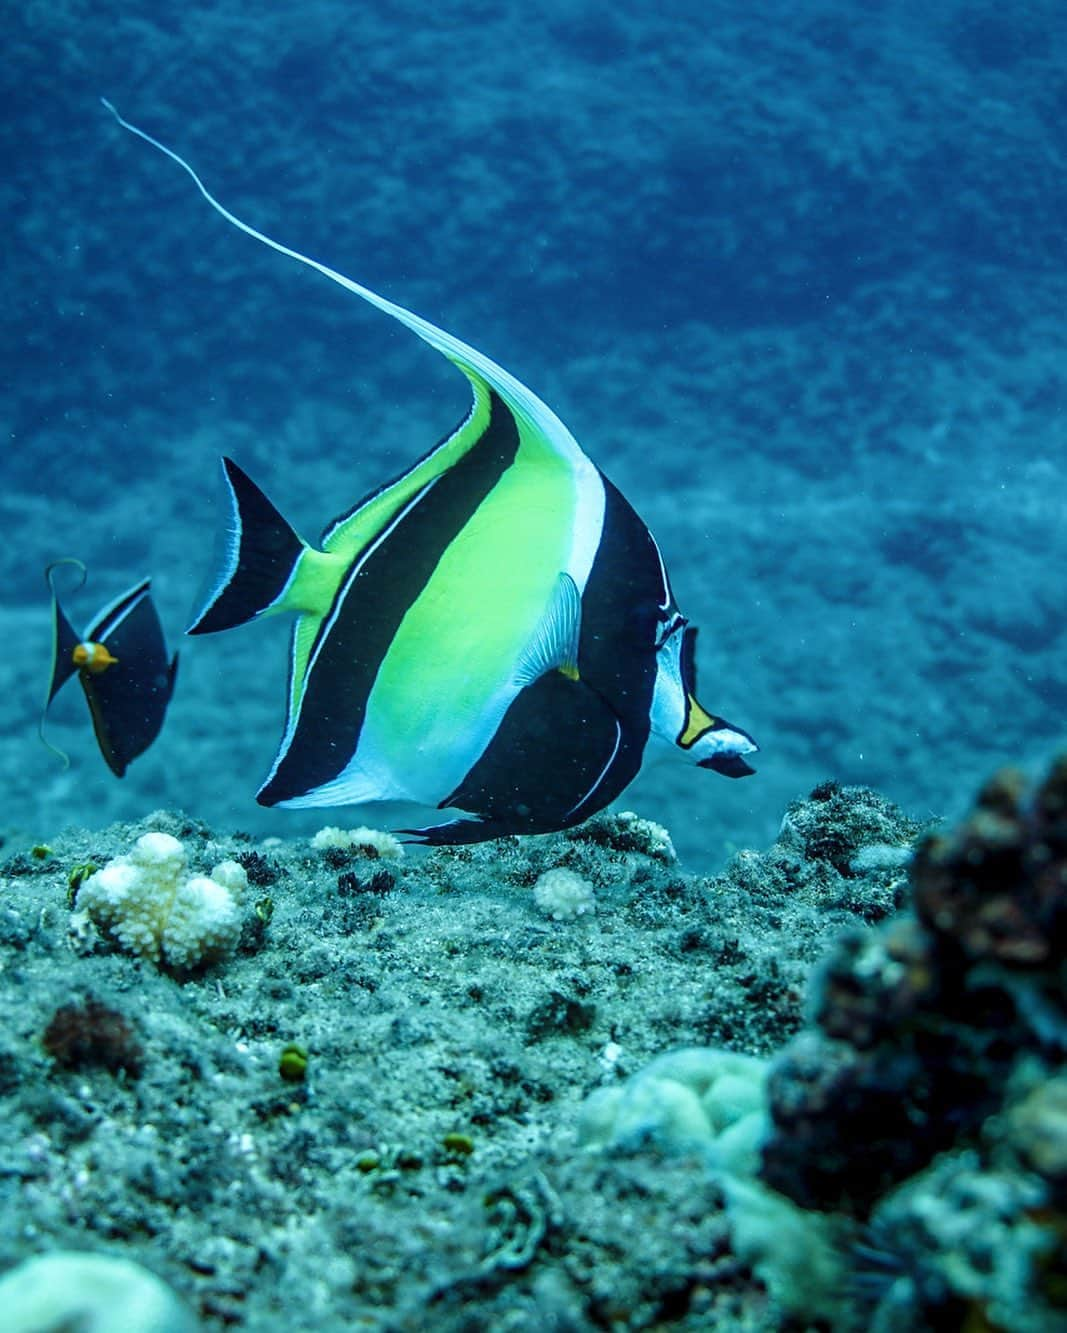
x=560 y=1013
x=792 y=1252
x=959 y=1246
x=835 y=824
x=712 y=1103
x=457 y=1144
x=626 y=831
x=149 y=904
x=875 y=982
x=261 y=871
x=693 y=1097
x=293 y=1062
x=520 y=1217
x=1036 y=1128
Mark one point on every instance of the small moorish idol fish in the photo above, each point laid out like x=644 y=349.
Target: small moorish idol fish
x=493 y=632
x=121 y=661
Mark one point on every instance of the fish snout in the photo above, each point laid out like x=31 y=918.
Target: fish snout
x=729 y=744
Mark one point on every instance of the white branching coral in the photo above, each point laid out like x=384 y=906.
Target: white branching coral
x=151 y=906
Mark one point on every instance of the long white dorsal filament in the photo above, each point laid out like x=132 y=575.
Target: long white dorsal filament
x=523 y=401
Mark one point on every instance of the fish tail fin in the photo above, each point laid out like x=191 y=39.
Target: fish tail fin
x=256 y=566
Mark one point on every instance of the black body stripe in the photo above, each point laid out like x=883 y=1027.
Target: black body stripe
x=565 y=749
x=351 y=650
x=687 y=660
x=621 y=616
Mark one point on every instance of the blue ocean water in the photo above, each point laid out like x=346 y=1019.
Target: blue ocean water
x=793 y=275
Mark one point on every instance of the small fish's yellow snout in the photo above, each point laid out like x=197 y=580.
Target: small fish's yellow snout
x=93 y=657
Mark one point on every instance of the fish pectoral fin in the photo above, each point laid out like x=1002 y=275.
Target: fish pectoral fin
x=553 y=646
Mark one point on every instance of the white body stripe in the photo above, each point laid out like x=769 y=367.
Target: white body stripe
x=600 y=776
x=107 y=622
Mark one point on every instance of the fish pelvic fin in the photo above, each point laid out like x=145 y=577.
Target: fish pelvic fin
x=262 y=566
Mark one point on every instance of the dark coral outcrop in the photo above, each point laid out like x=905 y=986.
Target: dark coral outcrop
x=921 y=1022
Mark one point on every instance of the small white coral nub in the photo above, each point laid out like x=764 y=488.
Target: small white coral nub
x=563 y=895
x=152 y=907
x=653 y=838
x=370 y=841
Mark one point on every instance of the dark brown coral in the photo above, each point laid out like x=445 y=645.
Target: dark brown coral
x=922 y=1020
x=996 y=888
x=91 y=1035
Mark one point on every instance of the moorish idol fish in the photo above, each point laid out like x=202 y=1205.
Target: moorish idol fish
x=121 y=661
x=491 y=633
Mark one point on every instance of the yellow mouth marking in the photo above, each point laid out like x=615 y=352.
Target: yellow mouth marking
x=697 y=722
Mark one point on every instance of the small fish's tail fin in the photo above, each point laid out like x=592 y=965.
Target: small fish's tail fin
x=257 y=563
x=65 y=638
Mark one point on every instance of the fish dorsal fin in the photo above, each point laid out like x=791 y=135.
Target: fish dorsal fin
x=65 y=637
x=554 y=643
x=544 y=427
x=64 y=640
x=354 y=530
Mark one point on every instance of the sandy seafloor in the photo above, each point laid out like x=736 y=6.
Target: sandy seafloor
x=443 y=1002
x=795 y=279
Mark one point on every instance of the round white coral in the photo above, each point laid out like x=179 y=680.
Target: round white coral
x=148 y=903
x=563 y=895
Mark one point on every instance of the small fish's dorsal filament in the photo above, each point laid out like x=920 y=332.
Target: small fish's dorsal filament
x=65 y=560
